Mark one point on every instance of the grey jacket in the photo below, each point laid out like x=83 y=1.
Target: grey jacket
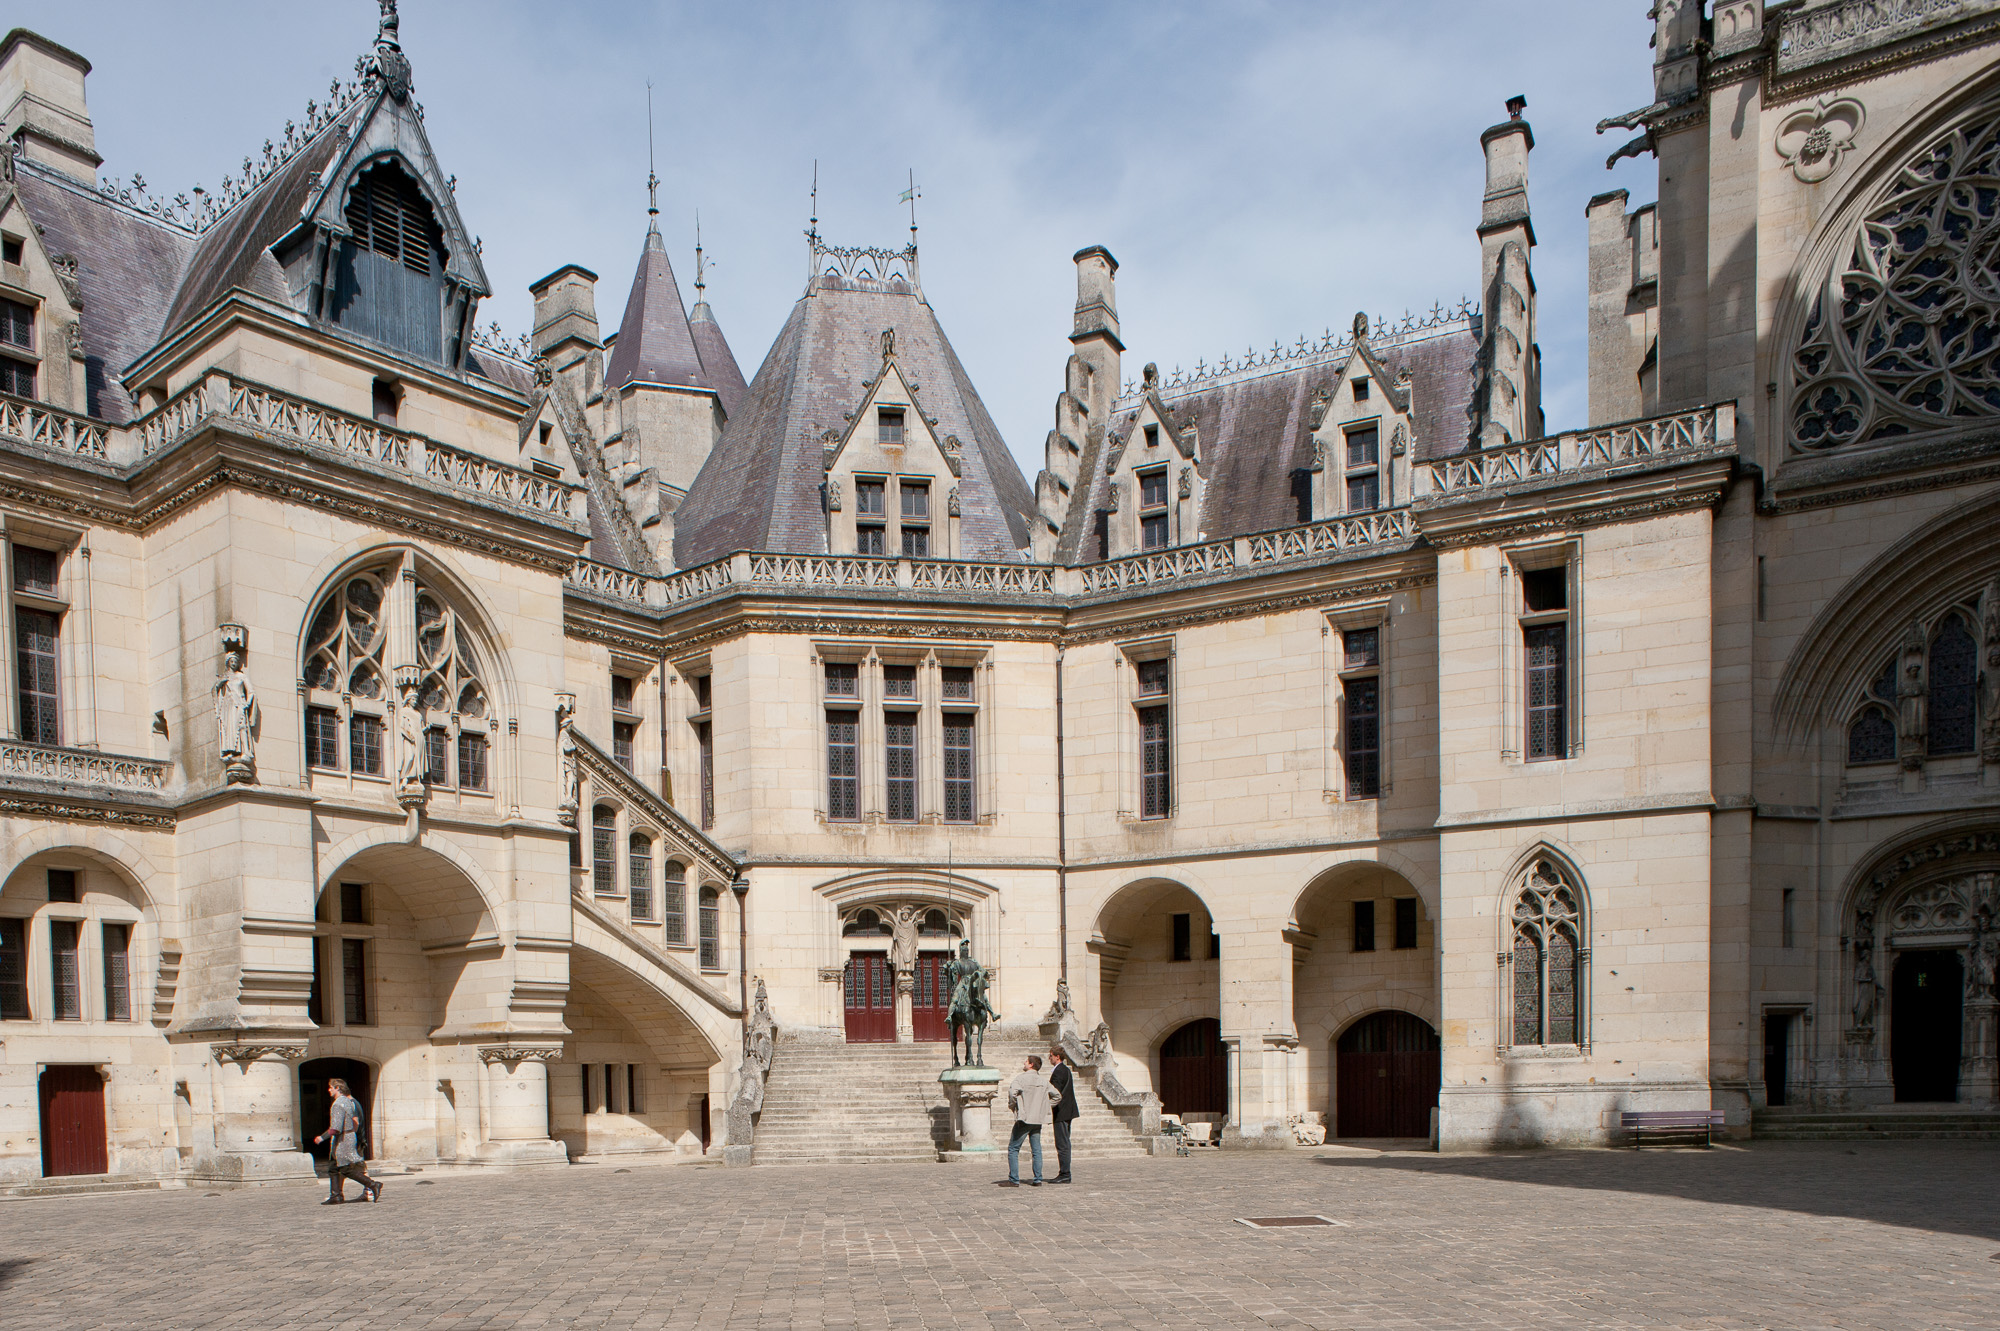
x=1030 y=1095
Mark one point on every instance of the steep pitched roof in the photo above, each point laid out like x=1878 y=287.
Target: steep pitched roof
x=718 y=362
x=127 y=267
x=655 y=344
x=760 y=488
x=1255 y=432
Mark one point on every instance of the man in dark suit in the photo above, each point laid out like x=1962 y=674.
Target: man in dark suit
x=1063 y=1080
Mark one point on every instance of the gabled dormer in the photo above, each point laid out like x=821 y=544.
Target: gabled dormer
x=379 y=249
x=1153 y=474
x=41 y=304
x=891 y=482
x=1362 y=427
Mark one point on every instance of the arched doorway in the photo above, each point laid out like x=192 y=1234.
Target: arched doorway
x=1386 y=1073
x=316 y=1109
x=1194 y=1070
x=1926 y=994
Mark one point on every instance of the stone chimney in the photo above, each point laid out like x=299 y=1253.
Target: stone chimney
x=41 y=91
x=1507 y=391
x=565 y=328
x=1090 y=386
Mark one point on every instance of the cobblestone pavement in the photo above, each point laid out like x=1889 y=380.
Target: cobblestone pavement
x=1774 y=1235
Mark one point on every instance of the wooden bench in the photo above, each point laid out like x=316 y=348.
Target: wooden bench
x=1671 y=1123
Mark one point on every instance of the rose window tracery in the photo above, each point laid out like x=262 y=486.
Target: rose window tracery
x=1904 y=334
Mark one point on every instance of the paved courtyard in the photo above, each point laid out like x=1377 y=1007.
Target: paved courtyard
x=1774 y=1235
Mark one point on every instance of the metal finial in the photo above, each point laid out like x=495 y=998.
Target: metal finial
x=700 y=264
x=652 y=180
x=910 y=196
x=813 y=221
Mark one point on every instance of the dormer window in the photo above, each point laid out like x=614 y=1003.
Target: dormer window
x=388 y=278
x=17 y=329
x=889 y=428
x=1364 y=477
x=1153 y=509
x=871 y=515
x=389 y=215
x=11 y=250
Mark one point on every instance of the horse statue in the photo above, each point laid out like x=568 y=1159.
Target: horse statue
x=969 y=1012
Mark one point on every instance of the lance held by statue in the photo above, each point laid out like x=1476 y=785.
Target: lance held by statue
x=970 y=1011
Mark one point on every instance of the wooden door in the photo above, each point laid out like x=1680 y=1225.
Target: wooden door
x=870 y=999
x=316 y=1109
x=1924 y=1019
x=1386 y=1074
x=930 y=1005
x=1194 y=1070
x=73 y=1121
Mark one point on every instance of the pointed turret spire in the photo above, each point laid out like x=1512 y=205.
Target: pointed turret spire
x=717 y=360
x=652 y=178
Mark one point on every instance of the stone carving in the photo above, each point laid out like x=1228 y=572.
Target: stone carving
x=1916 y=857
x=74 y=334
x=388 y=65
x=1812 y=139
x=1887 y=350
x=1867 y=993
x=544 y=373
x=1306 y=1131
x=410 y=765
x=834 y=496
x=1316 y=413
x=519 y=1053
x=1989 y=678
x=566 y=761
x=1093 y=1055
x=1498 y=409
x=1060 y=1011
x=1912 y=700
x=888 y=345
x=952 y=506
x=65 y=266
x=1360 y=326
x=759 y=1046
x=1111 y=497
x=236 y=720
x=1399 y=442
x=1187 y=483
x=1982 y=958
x=903 y=940
x=1941 y=906
x=246 y=1054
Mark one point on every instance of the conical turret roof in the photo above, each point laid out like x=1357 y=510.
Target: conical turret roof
x=655 y=344
x=717 y=360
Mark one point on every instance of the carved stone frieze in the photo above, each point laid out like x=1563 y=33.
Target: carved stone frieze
x=1813 y=139
x=490 y=1054
x=246 y=1052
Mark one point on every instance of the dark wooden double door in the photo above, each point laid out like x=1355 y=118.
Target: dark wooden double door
x=1194 y=1070
x=1386 y=1072
x=73 y=1137
x=869 y=996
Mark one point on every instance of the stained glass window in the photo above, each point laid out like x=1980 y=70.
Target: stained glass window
x=1547 y=961
x=1954 y=681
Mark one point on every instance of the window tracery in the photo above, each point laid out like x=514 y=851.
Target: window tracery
x=1934 y=710
x=1547 y=959
x=1904 y=335
x=351 y=697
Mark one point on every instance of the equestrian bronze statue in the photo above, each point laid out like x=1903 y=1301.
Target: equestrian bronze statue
x=969 y=1012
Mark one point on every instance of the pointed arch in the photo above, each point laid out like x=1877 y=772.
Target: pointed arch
x=1544 y=919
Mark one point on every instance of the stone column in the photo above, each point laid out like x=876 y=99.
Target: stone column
x=906 y=1021
x=971 y=1092
x=257 y=1115
x=517 y=1105
x=1977 y=1070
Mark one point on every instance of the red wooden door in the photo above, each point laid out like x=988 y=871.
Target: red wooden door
x=871 y=999
x=72 y=1121
x=930 y=1005
x=1194 y=1070
x=1386 y=1073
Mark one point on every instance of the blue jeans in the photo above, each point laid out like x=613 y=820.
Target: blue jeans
x=1033 y=1132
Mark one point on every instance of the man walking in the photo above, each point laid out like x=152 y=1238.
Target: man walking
x=345 y=1160
x=1063 y=1082
x=1029 y=1095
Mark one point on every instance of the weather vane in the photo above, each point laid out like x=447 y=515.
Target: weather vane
x=652 y=180
x=910 y=196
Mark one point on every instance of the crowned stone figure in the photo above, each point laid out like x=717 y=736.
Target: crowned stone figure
x=236 y=720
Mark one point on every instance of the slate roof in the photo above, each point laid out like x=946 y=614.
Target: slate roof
x=760 y=488
x=655 y=344
x=127 y=266
x=718 y=362
x=1255 y=434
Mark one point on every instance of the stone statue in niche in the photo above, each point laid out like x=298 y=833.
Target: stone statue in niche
x=951 y=503
x=833 y=496
x=888 y=344
x=903 y=939
x=236 y=721
x=1912 y=712
x=1187 y=482
x=410 y=765
x=1982 y=958
x=566 y=804
x=1867 y=993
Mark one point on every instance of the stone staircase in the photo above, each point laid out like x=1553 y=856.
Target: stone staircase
x=828 y=1103
x=1876 y=1123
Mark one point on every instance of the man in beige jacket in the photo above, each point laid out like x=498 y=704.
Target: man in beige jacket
x=1029 y=1095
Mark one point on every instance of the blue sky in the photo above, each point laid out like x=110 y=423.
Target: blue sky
x=1261 y=170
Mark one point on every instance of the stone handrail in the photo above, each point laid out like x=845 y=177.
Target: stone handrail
x=1337 y=536
x=760 y=1033
x=82 y=767
x=1577 y=451
x=1158 y=566
x=1093 y=1058
x=620 y=584
x=45 y=427
x=221 y=396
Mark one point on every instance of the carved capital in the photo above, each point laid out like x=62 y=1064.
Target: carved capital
x=519 y=1053
x=976 y=1095
x=244 y=1054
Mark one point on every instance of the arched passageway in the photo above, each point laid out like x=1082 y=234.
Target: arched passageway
x=1156 y=960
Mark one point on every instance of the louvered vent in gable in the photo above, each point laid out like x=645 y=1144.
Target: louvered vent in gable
x=389 y=215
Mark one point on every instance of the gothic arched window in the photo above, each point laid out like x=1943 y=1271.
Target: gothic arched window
x=1548 y=959
x=1900 y=336
x=1871 y=736
x=1954 y=683
x=351 y=699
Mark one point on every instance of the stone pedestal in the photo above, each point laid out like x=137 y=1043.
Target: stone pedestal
x=1978 y=1071
x=517 y=1106
x=257 y=1116
x=906 y=1022
x=971 y=1092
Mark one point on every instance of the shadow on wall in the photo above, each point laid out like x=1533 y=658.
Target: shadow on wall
x=1937 y=1187
x=12 y=1267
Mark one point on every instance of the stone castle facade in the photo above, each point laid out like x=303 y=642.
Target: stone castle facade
x=559 y=739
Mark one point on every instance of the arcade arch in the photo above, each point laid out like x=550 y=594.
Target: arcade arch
x=1155 y=967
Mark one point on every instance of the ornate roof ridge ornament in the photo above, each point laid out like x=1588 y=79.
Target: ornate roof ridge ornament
x=1379 y=334
x=388 y=65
